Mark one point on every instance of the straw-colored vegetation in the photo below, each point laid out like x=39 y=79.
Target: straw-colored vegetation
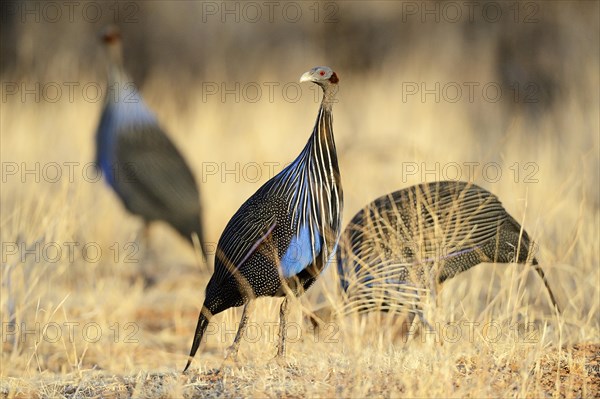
x=118 y=323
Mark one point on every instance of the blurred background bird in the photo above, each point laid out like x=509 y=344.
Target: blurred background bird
x=284 y=235
x=404 y=245
x=138 y=159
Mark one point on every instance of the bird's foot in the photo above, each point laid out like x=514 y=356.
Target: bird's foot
x=231 y=355
x=283 y=363
x=228 y=366
x=279 y=360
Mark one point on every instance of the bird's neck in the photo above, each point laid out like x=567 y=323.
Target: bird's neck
x=324 y=176
x=329 y=93
x=322 y=138
x=317 y=162
x=120 y=84
x=319 y=154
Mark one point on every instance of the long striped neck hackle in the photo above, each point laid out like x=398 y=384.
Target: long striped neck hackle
x=325 y=161
x=324 y=126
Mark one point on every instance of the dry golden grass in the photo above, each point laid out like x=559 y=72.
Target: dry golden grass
x=140 y=316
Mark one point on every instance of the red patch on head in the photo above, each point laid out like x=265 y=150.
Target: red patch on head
x=111 y=35
x=322 y=73
x=334 y=78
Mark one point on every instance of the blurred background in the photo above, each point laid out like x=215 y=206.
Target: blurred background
x=505 y=94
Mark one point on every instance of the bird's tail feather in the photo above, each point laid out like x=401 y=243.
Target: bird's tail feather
x=541 y=273
x=203 y=320
x=193 y=232
x=199 y=250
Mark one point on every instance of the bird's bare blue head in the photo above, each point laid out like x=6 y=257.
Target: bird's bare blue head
x=321 y=75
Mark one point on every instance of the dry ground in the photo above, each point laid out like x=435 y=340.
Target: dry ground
x=119 y=322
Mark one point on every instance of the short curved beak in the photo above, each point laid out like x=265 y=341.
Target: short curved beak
x=306 y=77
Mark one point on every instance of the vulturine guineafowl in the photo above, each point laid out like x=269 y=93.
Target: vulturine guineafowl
x=282 y=237
x=138 y=159
x=405 y=244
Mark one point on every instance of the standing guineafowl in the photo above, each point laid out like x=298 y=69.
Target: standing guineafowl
x=406 y=243
x=139 y=160
x=282 y=237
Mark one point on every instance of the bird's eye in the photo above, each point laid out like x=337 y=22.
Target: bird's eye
x=322 y=73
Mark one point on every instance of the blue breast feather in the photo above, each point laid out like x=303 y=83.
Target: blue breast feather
x=300 y=253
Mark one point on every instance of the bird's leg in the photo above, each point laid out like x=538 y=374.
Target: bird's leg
x=418 y=310
x=433 y=282
x=142 y=240
x=424 y=320
x=283 y=312
x=407 y=327
x=146 y=233
x=199 y=252
x=232 y=351
x=143 y=245
x=142 y=236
